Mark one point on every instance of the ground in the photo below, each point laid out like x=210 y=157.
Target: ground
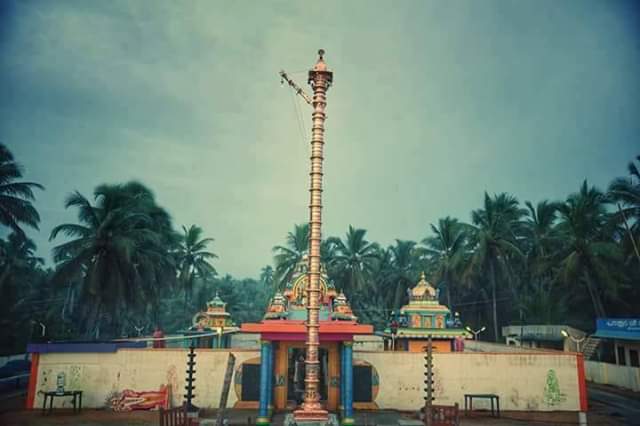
x=608 y=406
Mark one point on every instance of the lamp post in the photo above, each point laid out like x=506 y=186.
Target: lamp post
x=575 y=340
x=475 y=332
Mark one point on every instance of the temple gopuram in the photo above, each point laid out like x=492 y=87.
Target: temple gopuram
x=216 y=320
x=422 y=317
x=282 y=339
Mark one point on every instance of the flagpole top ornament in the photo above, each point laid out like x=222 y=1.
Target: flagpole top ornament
x=320 y=69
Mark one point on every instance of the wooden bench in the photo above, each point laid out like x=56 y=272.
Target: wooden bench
x=469 y=397
x=76 y=395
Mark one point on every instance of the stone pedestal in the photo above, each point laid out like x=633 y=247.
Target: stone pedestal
x=290 y=420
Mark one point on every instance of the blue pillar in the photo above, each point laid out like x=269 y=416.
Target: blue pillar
x=270 y=382
x=348 y=384
x=342 y=379
x=263 y=415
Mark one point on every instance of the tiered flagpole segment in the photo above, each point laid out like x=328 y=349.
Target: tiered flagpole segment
x=320 y=79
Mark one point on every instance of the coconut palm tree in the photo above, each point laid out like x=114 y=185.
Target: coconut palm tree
x=589 y=251
x=193 y=259
x=15 y=197
x=541 y=237
x=626 y=193
x=266 y=276
x=446 y=251
x=118 y=251
x=495 y=230
x=17 y=253
x=399 y=273
x=354 y=260
x=287 y=257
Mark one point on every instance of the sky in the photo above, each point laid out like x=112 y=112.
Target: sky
x=433 y=103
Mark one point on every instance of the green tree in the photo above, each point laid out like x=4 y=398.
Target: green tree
x=266 y=277
x=399 y=273
x=589 y=252
x=287 y=257
x=446 y=250
x=194 y=259
x=495 y=230
x=118 y=251
x=17 y=253
x=626 y=193
x=354 y=261
x=15 y=197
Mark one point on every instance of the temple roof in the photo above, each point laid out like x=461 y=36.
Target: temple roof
x=423 y=290
x=287 y=311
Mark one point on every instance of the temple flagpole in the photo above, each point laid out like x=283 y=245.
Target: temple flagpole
x=320 y=79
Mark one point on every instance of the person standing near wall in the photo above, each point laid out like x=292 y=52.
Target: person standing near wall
x=158 y=334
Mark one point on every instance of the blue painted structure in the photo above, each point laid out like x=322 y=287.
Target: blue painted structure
x=263 y=407
x=270 y=380
x=342 y=382
x=83 y=347
x=618 y=328
x=347 y=419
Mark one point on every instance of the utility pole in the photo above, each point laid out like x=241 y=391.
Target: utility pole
x=320 y=79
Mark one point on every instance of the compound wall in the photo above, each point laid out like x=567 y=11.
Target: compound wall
x=535 y=381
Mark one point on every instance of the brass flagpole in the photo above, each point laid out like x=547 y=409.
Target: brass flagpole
x=320 y=79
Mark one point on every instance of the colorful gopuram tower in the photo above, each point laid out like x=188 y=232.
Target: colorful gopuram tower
x=422 y=317
x=283 y=335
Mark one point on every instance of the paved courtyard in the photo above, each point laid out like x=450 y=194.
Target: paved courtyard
x=240 y=417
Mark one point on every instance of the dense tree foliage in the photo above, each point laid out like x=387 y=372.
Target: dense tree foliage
x=16 y=208
x=122 y=268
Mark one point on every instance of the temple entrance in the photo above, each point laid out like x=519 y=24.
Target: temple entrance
x=295 y=375
x=289 y=372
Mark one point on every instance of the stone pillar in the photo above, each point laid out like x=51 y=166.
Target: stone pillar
x=348 y=384
x=270 y=382
x=342 y=379
x=263 y=408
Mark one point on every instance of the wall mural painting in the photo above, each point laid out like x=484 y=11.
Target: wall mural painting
x=172 y=380
x=552 y=394
x=75 y=377
x=129 y=400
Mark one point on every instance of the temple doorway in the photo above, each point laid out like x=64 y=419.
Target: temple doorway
x=289 y=375
x=295 y=375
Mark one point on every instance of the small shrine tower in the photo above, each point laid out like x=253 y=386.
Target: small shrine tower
x=216 y=320
x=422 y=317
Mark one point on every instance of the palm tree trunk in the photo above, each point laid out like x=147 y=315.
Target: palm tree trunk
x=492 y=278
x=447 y=283
x=92 y=321
x=4 y=275
x=598 y=307
x=397 y=300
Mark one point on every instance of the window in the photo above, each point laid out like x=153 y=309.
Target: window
x=621 y=358
x=634 y=360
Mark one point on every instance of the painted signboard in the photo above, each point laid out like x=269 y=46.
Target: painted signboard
x=618 y=328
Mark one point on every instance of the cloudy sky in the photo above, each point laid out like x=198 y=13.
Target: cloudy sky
x=434 y=102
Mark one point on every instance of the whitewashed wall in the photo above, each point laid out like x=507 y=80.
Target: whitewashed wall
x=98 y=375
x=615 y=375
x=518 y=379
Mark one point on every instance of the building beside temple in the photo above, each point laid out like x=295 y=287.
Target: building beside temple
x=211 y=328
x=422 y=317
x=278 y=383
